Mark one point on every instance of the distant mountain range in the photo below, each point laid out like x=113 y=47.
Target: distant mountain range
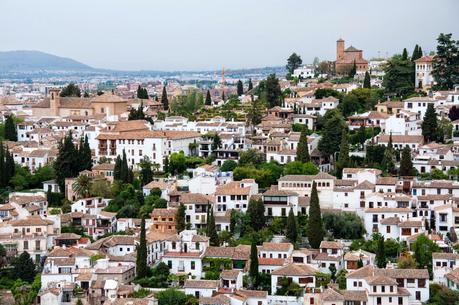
x=30 y=61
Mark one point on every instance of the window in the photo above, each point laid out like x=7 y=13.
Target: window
x=193 y=265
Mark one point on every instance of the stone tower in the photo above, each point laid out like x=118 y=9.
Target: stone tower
x=54 y=102
x=339 y=49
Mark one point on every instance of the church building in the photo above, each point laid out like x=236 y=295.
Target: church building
x=345 y=59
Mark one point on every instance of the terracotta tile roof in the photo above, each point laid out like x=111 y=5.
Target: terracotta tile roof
x=390 y=221
x=274 y=191
x=232 y=188
x=266 y=261
x=229 y=274
x=31 y=221
x=295 y=270
x=226 y=252
x=216 y=300
x=426 y=58
x=104 y=166
x=365 y=185
x=330 y=295
x=277 y=247
x=331 y=245
x=182 y=254
x=326 y=257
x=411 y=224
x=453 y=275
x=306 y=177
x=381 y=280
x=358 y=296
x=192 y=198
x=164 y=212
x=445 y=256
x=252 y=293
x=401 y=139
x=202 y=284
x=386 y=181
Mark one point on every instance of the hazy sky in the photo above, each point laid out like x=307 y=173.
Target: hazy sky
x=209 y=34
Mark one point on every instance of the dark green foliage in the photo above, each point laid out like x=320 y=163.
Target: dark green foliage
x=141 y=261
x=423 y=248
x=430 y=124
x=187 y=105
x=240 y=88
x=84 y=154
x=255 y=112
x=211 y=230
x=208 y=98
x=404 y=54
x=146 y=173
x=142 y=93
x=180 y=218
x=136 y=114
x=67 y=163
x=343 y=157
x=158 y=277
x=177 y=163
x=446 y=62
x=398 y=79
x=380 y=258
x=289 y=288
x=173 y=296
x=331 y=133
x=265 y=174
x=353 y=70
x=292 y=228
x=228 y=166
x=293 y=62
x=253 y=270
x=298 y=168
x=271 y=91
x=24 y=267
x=250 y=86
x=441 y=295
x=315 y=231
x=117 y=169
x=7 y=166
x=388 y=162
x=359 y=100
x=251 y=157
x=164 y=99
x=417 y=53
x=406 y=163
x=256 y=214
x=344 y=225
x=70 y=90
x=367 y=81
x=326 y=92
x=10 y=129
x=302 y=150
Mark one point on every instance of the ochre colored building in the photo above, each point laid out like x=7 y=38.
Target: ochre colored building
x=345 y=59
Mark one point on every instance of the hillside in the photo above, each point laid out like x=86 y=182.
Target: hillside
x=27 y=61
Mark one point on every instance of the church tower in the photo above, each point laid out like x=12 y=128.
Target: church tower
x=54 y=102
x=340 y=49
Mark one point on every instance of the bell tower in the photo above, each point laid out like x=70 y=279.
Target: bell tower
x=340 y=49
x=54 y=101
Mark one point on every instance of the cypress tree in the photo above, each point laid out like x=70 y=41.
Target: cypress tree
x=292 y=227
x=142 y=93
x=86 y=155
x=10 y=129
x=164 y=99
x=208 y=98
x=388 y=162
x=141 y=262
x=223 y=96
x=420 y=53
x=250 y=87
x=302 y=150
x=314 y=230
x=117 y=169
x=211 y=230
x=180 y=218
x=66 y=164
x=380 y=258
x=353 y=70
x=256 y=214
x=404 y=54
x=367 y=81
x=430 y=124
x=124 y=172
x=3 y=177
x=343 y=157
x=406 y=164
x=240 y=88
x=253 y=271
x=10 y=166
x=415 y=53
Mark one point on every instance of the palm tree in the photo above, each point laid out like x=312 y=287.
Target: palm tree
x=82 y=186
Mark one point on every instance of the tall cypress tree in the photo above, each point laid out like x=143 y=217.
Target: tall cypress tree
x=367 y=81
x=164 y=99
x=250 y=87
x=315 y=230
x=124 y=171
x=380 y=258
x=388 y=162
x=141 y=262
x=415 y=53
x=211 y=230
x=66 y=164
x=430 y=124
x=420 y=53
x=404 y=54
x=253 y=270
x=86 y=155
x=343 y=157
x=117 y=169
x=240 y=88
x=302 y=150
x=406 y=164
x=208 y=98
x=180 y=224
x=10 y=129
x=3 y=177
x=292 y=227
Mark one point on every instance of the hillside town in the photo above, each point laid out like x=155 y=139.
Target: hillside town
x=334 y=183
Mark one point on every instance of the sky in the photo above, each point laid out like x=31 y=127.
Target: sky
x=210 y=34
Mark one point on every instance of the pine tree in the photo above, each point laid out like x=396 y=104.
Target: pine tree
x=343 y=157
x=142 y=93
x=314 y=230
x=302 y=150
x=211 y=230
x=240 y=88
x=164 y=99
x=406 y=164
x=380 y=258
x=250 y=86
x=66 y=164
x=10 y=129
x=141 y=262
x=253 y=270
x=430 y=124
x=367 y=81
x=292 y=227
x=70 y=90
x=23 y=267
x=117 y=169
x=180 y=218
x=404 y=54
x=208 y=98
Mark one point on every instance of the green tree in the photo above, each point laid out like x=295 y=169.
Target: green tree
x=70 y=90
x=404 y=54
x=293 y=62
x=314 y=230
x=84 y=154
x=367 y=81
x=177 y=163
x=406 y=163
x=292 y=227
x=66 y=164
x=298 y=168
x=82 y=186
x=446 y=62
x=117 y=169
x=353 y=70
x=302 y=150
x=250 y=86
x=141 y=260
x=430 y=124
x=343 y=157
x=228 y=166
x=172 y=296
x=164 y=99
x=211 y=230
x=251 y=156
x=188 y=105
x=255 y=112
x=256 y=214
x=272 y=91
x=380 y=258
x=331 y=133
x=146 y=173
x=253 y=270
x=10 y=129
x=142 y=93
x=398 y=78
x=423 y=248
x=180 y=218
x=24 y=268
x=388 y=162
x=208 y=99
x=240 y=88
x=7 y=166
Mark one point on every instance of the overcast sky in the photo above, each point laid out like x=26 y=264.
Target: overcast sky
x=209 y=34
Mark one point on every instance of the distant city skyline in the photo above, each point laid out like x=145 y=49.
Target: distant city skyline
x=173 y=35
